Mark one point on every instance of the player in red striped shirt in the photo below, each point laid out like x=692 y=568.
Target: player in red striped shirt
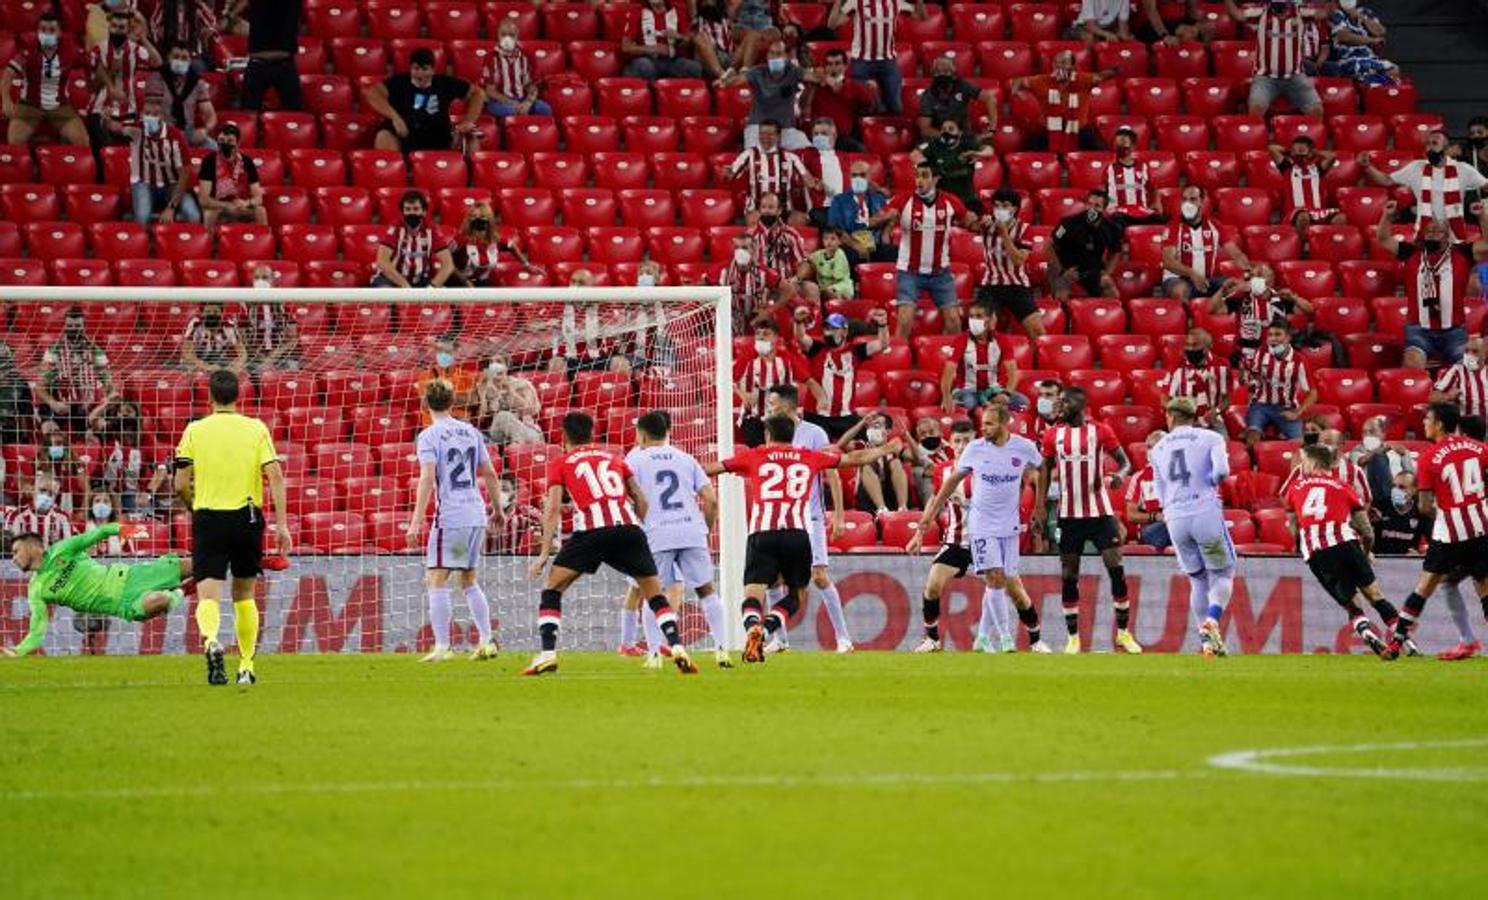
x=608 y=507
x=1078 y=448
x=779 y=479
x=1449 y=483
x=1335 y=536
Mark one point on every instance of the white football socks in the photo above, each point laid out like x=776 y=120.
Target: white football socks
x=713 y=611
x=440 y=616
x=480 y=611
x=994 y=614
x=1453 y=595
x=654 y=638
x=833 y=601
x=629 y=622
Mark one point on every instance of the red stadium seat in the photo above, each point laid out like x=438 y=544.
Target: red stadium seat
x=245 y=242
x=1188 y=59
x=61 y=164
x=678 y=97
x=1353 y=134
x=618 y=171
x=616 y=245
x=1033 y=22
x=1407 y=387
x=643 y=208
x=22 y=203
x=526 y=207
x=559 y=170
x=911 y=387
x=977 y=22
x=1272 y=243
x=550 y=245
x=1390 y=100
x=1126 y=352
x=1273 y=526
x=1335 y=243
x=1181 y=134
x=314 y=168
x=707 y=208
x=1275 y=457
x=1156 y=316
x=678 y=171
x=81 y=273
x=307 y=243
x=377 y=168
x=312 y=425
x=899 y=526
x=1243 y=206
x=1101 y=387
x=587 y=207
x=434 y=169
x=1372 y=352
x=54 y=240
x=1209 y=97
x=622 y=97
x=287 y=205
x=594 y=60
x=342 y=130
x=1212 y=169
x=564 y=21
x=1096 y=316
x=1308 y=278
x=1341 y=387
x=495 y=169
x=27 y=272
x=449 y=20
x=1366 y=278
x=1063 y=352
x=1132 y=424
x=342 y=461
x=118 y=240
x=207 y=273
x=1341 y=315
x=1032 y=171
x=668 y=245
x=1087 y=169
x=717 y=134
x=388 y=19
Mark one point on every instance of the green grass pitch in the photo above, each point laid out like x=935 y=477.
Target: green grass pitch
x=874 y=775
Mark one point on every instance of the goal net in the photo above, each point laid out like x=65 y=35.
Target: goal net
x=112 y=376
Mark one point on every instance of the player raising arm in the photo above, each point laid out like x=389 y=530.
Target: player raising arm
x=998 y=462
x=608 y=507
x=779 y=480
x=65 y=575
x=451 y=454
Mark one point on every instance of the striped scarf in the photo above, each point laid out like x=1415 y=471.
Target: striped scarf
x=1062 y=115
x=1451 y=198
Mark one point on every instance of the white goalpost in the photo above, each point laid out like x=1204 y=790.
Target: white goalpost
x=342 y=403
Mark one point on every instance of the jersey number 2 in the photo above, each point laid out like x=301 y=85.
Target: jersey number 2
x=667 y=480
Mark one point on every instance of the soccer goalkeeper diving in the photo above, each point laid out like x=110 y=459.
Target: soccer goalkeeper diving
x=65 y=575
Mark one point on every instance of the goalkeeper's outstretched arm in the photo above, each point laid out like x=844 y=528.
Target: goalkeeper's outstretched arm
x=36 y=632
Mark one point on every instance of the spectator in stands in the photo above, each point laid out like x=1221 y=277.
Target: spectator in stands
x=1281 y=54
x=950 y=97
x=969 y=378
x=1143 y=508
x=931 y=450
x=273 y=337
x=416 y=107
x=833 y=360
x=444 y=368
x=75 y=384
x=753 y=285
x=1063 y=95
x=843 y=100
x=656 y=39
x=1440 y=184
x=773 y=87
x=1181 y=28
x=780 y=247
x=227 y=183
x=1356 y=34
x=508 y=406
x=1436 y=270
x=478 y=248
x=188 y=99
x=1046 y=407
x=1083 y=250
x=752 y=26
x=507 y=80
x=519 y=527
x=1005 y=251
x=117 y=69
x=884 y=483
x=953 y=153
x=230 y=19
x=413 y=253
x=1475 y=153
x=585 y=342
x=1191 y=252
x=769 y=363
x=926 y=218
x=1133 y=199
x=159 y=177
x=765 y=167
x=1400 y=528
x=1281 y=390
x=273 y=44
x=16 y=409
x=1202 y=379
x=40 y=516
x=714 y=38
x=1306 y=195
x=188 y=24
x=827 y=166
x=828 y=267
x=856 y=211
x=125 y=464
x=1465 y=382
x=212 y=341
x=1102 y=20
x=1258 y=303
x=1381 y=459
x=59 y=472
x=45 y=67
x=874 y=48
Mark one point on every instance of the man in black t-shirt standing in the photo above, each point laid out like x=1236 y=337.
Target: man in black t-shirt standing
x=273 y=44
x=416 y=107
x=1085 y=247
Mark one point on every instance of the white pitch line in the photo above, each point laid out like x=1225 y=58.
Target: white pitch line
x=863 y=779
x=1256 y=761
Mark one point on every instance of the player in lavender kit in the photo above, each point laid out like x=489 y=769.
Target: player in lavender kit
x=452 y=454
x=681 y=508
x=999 y=462
x=1188 y=466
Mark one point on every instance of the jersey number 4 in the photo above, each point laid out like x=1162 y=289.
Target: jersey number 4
x=1469 y=485
x=1178 y=469
x=779 y=482
x=1315 y=505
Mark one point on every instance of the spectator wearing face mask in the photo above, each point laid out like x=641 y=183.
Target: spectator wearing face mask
x=158 y=175
x=1345 y=469
x=1475 y=153
x=1381 y=459
x=1401 y=529
x=1045 y=408
x=1202 y=379
x=931 y=452
x=1356 y=35
x=212 y=341
x=519 y=525
x=1063 y=96
x=16 y=408
x=1005 y=251
x=188 y=99
x=44 y=67
x=102 y=510
x=1143 y=507
x=1191 y=251
x=40 y=516
x=884 y=483
x=1465 y=382
x=444 y=367
x=926 y=219
x=1440 y=185
x=1133 y=199
x=950 y=97
x=1084 y=248
x=1281 y=388
x=479 y=247
x=509 y=406
x=118 y=68
x=657 y=38
x=228 y=184
x=413 y=253
x=766 y=167
x=416 y=107
x=191 y=25
x=1281 y=33
x=59 y=472
x=969 y=378
x=780 y=248
x=954 y=155
x=507 y=78
x=855 y=211
x=773 y=88
x=828 y=168
x=843 y=100
x=771 y=363
x=833 y=362
x=1435 y=271
x=272 y=336
x=754 y=287
x=1258 y=303
x=128 y=475
x=1307 y=199
x=76 y=384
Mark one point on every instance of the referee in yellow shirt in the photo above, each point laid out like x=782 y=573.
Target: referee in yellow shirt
x=221 y=464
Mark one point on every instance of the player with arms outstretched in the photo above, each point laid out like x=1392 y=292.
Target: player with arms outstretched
x=452 y=454
x=1334 y=534
x=1079 y=447
x=1449 y=482
x=1188 y=465
x=779 y=480
x=65 y=575
x=681 y=509
x=608 y=508
x=998 y=463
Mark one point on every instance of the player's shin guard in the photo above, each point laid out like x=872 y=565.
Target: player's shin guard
x=1221 y=586
x=1118 y=597
x=752 y=611
x=666 y=619
x=1030 y=619
x=1409 y=613
x=549 y=614
x=245 y=625
x=833 y=602
x=1069 y=595
x=480 y=611
x=782 y=611
x=208 y=620
x=713 y=612
x=930 y=614
x=440 y=616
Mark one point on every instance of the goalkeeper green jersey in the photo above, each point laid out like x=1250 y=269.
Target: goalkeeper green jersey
x=69 y=577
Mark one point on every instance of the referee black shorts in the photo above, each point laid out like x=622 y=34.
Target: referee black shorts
x=227 y=539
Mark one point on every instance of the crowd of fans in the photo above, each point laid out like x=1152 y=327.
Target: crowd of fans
x=813 y=212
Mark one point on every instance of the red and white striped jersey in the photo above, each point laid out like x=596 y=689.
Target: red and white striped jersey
x=1280 y=381
x=156 y=161
x=478 y=262
x=127 y=65
x=779 y=249
x=997 y=267
x=414 y=250
x=1303 y=188
x=1141 y=489
x=835 y=369
x=1452 y=471
x=509 y=73
x=721 y=33
x=976 y=362
x=1256 y=312
x=953 y=516
x=192 y=24
x=76 y=371
x=1437 y=285
x=213 y=344
x=52 y=525
x=1128 y=186
x=595 y=480
x=925 y=231
x=1346 y=471
x=1323 y=506
x=1197 y=246
x=778 y=483
x=1471 y=386
x=1207 y=386
x=873 y=25
x=779 y=172
x=1078 y=452
x=755 y=375
x=44 y=75
x=648 y=27
x=1280 y=41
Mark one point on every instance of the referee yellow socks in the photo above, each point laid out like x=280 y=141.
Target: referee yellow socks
x=245 y=623
x=208 y=620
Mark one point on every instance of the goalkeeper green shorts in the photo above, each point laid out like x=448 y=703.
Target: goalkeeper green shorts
x=146 y=578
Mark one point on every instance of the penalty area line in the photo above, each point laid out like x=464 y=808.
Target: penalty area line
x=1267 y=761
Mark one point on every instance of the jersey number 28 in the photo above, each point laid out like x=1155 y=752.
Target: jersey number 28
x=779 y=482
